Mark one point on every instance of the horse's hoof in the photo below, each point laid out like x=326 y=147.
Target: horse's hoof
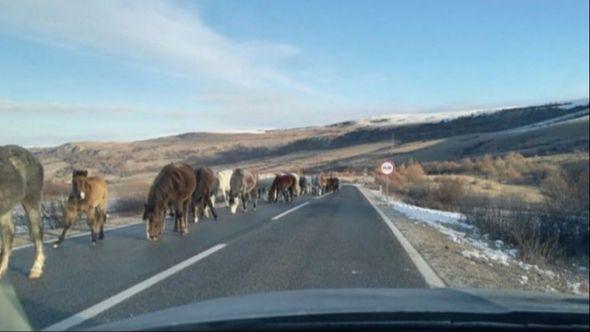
x=56 y=245
x=93 y=243
x=35 y=274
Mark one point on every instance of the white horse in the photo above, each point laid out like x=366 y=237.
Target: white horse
x=224 y=177
x=297 y=189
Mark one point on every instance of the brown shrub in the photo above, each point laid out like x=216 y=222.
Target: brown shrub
x=128 y=205
x=486 y=166
x=444 y=195
x=448 y=192
x=413 y=172
x=55 y=189
x=566 y=191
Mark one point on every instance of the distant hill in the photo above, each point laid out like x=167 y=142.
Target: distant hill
x=534 y=130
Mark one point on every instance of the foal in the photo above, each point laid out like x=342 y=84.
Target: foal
x=88 y=196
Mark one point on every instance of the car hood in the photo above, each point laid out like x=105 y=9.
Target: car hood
x=333 y=302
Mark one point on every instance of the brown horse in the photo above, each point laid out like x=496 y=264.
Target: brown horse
x=21 y=181
x=204 y=194
x=283 y=184
x=173 y=187
x=88 y=196
x=333 y=184
x=243 y=185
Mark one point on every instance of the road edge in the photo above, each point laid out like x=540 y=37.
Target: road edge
x=430 y=276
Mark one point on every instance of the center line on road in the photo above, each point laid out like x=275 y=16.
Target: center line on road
x=129 y=292
x=289 y=211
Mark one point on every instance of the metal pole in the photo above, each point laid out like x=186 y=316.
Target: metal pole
x=387 y=187
x=392 y=153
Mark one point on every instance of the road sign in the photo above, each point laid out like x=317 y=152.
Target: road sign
x=387 y=167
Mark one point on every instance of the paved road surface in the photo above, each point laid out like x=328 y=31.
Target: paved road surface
x=337 y=241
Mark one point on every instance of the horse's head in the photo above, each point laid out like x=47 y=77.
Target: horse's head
x=235 y=186
x=79 y=184
x=154 y=221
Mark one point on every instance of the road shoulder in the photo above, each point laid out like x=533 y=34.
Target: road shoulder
x=430 y=276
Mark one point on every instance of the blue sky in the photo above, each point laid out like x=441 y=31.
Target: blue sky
x=125 y=70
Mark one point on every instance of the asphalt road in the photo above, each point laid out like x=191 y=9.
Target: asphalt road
x=337 y=241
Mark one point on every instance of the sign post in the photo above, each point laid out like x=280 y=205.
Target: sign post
x=387 y=168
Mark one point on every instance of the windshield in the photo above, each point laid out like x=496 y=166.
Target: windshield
x=161 y=153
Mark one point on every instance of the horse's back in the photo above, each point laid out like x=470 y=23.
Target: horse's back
x=224 y=177
x=99 y=189
x=21 y=176
x=175 y=180
x=189 y=180
x=206 y=181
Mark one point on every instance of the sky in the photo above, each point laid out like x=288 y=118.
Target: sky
x=128 y=70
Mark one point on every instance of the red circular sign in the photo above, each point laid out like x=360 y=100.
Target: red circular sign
x=387 y=167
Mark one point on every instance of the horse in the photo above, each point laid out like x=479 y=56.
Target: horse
x=89 y=196
x=264 y=183
x=336 y=184
x=333 y=184
x=244 y=186
x=223 y=189
x=304 y=182
x=173 y=186
x=323 y=183
x=21 y=182
x=296 y=187
x=282 y=184
x=204 y=194
x=316 y=186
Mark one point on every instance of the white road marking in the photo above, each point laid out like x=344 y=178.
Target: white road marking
x=28 y=245
x=289 y=211
x=431 y=278
x=124 y=295
x=324 y=195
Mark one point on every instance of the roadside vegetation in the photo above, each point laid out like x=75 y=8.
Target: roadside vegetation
x=538 y=205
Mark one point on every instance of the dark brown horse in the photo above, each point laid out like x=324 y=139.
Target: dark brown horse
x=332 y=184
x=243 y=185
x=204 y=194
x=89 y=196
x=21 y=182
x=283 y=184
x=173 y=187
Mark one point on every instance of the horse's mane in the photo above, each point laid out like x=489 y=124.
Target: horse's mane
x=163 y=185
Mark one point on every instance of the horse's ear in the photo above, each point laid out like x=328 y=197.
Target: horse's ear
x=85 y=172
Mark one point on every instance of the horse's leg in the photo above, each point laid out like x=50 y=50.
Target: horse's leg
x=103 y=209
x=7 y=237
x=196 y=213
x=91 y=221
x=184 y=217
x=243 y=197
x=209 y=203
x=176 y=225
x=36 y=233
x=101 y=217
x=70 y=218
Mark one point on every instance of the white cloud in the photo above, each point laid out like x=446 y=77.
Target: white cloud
x=158 y=33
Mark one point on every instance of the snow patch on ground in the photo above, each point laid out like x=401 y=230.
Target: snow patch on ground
x=416 y=118
x=454 y=226
x=479 y=250
x=575 y=287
